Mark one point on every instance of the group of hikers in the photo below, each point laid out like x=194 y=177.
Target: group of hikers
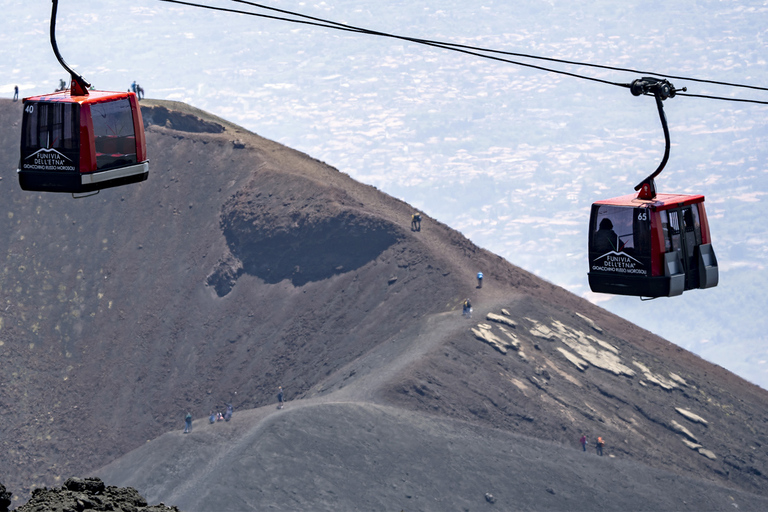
x=599 y=443
x=217 y=416
x=213 y=418
x=467 y=306
x=227 y=414
x=137 y=90
x=416 y=222
x=466 y=309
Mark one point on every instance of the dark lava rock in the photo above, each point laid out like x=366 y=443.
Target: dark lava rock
x=5 y=499
x=83 y=494
x=92 y=485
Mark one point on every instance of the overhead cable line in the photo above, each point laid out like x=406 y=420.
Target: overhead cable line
x=472 y=50
x=501 y=52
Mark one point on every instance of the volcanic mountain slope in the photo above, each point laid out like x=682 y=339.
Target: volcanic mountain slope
x=241 y=265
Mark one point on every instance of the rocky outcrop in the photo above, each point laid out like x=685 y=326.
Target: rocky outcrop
x=691 y=416
x=161 y=116
x=583 y=347
x=5 y=499
x=493 y=317
x=88 y=494
x=484 y=332
x=657 y=379
x=574 y=359
x=682 y=430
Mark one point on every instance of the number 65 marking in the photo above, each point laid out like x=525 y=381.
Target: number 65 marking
x=642 y=216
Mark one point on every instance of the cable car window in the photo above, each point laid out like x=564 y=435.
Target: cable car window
x=692 y=230
x=665 y=229
x=43 y=131
x=62 y=127
x=696 y=223
x=612 y=230
x=51 y=125
x=31 y=112
x=114 y=137
x=620 y=240
x=674 y=230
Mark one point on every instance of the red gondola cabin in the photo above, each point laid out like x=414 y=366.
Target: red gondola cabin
x=82 y=143
x=656 y=247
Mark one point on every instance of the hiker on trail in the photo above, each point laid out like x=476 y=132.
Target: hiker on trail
x=62 y=85
x=467 y=308
x=228 y=414
x=187 y=423
x=599 y=446
x=212 y=418
x=15 y=93
x=479 y=279
x=140 y=91
x=219 y=416
x=583 y=442
x=279 y=397
x=416 y=222
x=133 y=87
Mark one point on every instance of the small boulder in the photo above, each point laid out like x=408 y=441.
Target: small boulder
x=90 y=485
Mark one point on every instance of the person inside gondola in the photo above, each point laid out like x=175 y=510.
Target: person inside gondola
x=606 y=239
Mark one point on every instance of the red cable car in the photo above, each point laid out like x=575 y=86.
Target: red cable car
x=646 y=244
x=80 y=140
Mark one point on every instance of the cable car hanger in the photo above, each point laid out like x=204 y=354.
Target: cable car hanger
x=78 y=85
x=661 y=89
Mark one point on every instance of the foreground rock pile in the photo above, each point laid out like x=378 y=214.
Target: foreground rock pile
x=80 y=494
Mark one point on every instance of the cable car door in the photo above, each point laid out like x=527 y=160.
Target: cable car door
x=684 y=237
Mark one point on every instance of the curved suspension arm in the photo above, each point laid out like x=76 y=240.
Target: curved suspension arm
x=661 y=90
x=79 y=84
x=663 y=117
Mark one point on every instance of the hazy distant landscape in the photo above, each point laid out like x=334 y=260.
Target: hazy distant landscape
x=509 y=156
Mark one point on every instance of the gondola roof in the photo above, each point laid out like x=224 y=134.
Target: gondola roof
x=660 y=202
